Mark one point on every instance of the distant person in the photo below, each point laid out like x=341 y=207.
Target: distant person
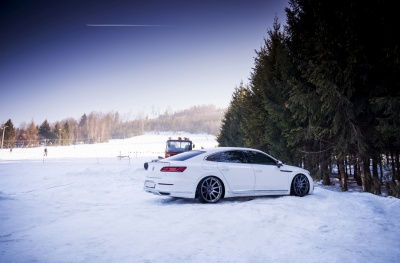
x=45 y=151
x=10 y=150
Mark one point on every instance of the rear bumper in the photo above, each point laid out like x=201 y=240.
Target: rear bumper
x=166 y=190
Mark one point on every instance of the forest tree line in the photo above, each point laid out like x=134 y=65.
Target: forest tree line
x=98 y=127
x=325 y=91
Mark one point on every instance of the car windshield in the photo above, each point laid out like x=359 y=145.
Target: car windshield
x=184 y=156
x=178 y=146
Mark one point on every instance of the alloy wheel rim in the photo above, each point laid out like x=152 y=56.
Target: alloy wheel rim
x=211 y=190
x=301 y=184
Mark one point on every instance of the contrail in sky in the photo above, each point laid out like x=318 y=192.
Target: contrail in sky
x=125 y=25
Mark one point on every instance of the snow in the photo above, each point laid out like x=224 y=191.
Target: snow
x=83 y=204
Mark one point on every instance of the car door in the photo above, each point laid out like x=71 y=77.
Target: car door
x=237 y=172
x=269 y=176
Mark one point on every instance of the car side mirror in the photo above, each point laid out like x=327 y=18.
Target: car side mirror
x=279 y=164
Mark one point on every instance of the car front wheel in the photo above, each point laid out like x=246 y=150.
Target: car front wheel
x=300 y=185
x=210 y=190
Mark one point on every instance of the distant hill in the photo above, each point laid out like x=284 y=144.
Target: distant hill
x=98 y=127
x=197 y=119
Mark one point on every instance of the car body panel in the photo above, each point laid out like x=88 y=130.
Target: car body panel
x=239 y=176
x=270 y=177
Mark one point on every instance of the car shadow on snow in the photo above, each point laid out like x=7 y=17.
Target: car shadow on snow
x=188 y=201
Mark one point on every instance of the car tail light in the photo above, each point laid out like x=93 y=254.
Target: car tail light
x=176 y=169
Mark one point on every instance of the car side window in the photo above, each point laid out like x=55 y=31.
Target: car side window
x=232 y=157
x=213 y=157
x=259 y=158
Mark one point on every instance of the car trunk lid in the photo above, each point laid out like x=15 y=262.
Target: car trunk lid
x=154 y=169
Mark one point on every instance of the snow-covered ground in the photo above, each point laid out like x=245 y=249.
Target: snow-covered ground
x=83 y=204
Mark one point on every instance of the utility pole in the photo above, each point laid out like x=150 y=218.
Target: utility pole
x=2 y=140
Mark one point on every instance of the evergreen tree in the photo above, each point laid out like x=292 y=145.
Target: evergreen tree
x=66 y=134
x=45 y=132
x=270 y=95
x=256 y=121
x=323 y=97
x=231 y=132
x=9 y=134
x=84 y=129
x=253 y=125
x=340 y=72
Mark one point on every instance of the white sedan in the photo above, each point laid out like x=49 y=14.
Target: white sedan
x=212 y=174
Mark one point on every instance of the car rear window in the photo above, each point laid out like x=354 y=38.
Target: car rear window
x=227 y=157
x=232 y=157
x=184 y=156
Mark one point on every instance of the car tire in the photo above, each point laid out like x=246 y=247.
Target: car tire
x=210 y=190
x=146 y=165
x=300 y=185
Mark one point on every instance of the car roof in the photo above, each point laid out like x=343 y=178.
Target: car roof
x=209 y=151
x=218 y=149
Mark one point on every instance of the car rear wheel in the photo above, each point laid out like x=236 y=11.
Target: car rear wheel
x=210 y=190
x=300 y=185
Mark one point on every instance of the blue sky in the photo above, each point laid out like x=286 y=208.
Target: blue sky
x=61 y=59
